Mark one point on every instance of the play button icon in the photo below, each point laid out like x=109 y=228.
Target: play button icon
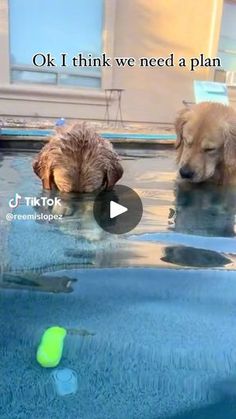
x=119 y=210
x=116 y=209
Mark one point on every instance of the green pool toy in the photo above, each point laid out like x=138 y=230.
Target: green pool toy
x=50 y=350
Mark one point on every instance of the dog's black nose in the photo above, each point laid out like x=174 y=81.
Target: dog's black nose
x=186 y=172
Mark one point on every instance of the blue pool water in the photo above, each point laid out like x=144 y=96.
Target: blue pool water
x=158 y=305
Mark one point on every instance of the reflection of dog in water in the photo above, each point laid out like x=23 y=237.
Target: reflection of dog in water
x=91 y=245
x=76 y=214
x=204 y=210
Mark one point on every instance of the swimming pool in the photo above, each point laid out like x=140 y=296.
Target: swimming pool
x=159 y=301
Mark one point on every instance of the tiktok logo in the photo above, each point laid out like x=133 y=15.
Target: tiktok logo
x=14 y=202
x=32 y=201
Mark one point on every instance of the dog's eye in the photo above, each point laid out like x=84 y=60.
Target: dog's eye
x=210 y=149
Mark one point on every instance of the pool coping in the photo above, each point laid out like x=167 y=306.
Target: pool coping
x=31 y=143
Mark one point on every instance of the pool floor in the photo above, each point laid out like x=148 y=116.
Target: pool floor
x=159 y=342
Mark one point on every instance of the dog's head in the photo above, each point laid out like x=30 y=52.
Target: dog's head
x=100 y=172
x=77 y=159
x=206 y=142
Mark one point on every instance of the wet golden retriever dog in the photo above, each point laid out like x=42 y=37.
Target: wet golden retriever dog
x=206 y=143
x=77 y=159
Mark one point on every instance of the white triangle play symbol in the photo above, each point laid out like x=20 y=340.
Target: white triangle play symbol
x=116 y=209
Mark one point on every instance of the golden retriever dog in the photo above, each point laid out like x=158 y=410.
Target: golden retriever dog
x=77 y=159
x=206 y=143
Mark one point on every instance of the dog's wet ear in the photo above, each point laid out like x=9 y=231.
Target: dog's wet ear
x=230 y=145
x=113 y=174
x=44 y=173
x=181 y=119
x=36 y=167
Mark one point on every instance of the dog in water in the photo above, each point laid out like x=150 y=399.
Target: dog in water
x=77 y=159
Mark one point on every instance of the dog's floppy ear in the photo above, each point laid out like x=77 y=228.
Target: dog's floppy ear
x=43 y=172
x=230 y=145
x=36 y=167
x=113 y=174
x=181 y=119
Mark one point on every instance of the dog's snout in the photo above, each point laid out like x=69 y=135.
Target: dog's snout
x=186 y=172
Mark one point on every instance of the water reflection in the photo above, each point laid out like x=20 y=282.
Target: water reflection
x=76 y=215
x=181 y=226
x=36 y=281
x=197 y=258
x=205 y=210
x=196 y=230
x=201 y=210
